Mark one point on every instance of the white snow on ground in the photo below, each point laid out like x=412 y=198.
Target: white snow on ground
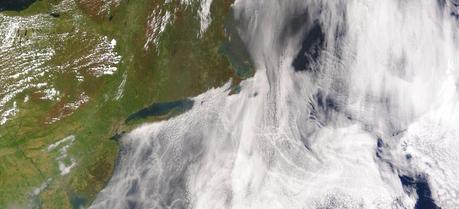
x=26 y=98
x=185 y=2
x=69 y=108
x=157 y=22
x=64 y=168
x=101 y=60
x=204 y=15
x=67 y=140
x=159 y=19
x=28 y=47
x=104 y=7
x=50 y=94
x=9 y=114
x=36 y=191
x=108 y=5
x=65 y=6
x=22 y=63
x=63 y=145
x=120 y=91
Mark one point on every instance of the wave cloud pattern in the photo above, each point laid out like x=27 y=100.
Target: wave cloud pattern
x=354 y=104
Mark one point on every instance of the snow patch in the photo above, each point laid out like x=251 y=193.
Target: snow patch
x=64 y=168
x=63 y=145
x=50 y=94
x=67 y=140
x=26 y=56
x=69 y=108
x=36 y=191
x=204 y=15
x=157 y=22
x=8 y=114
x=120 y=90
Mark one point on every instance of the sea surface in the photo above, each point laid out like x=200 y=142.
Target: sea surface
x=354 y=104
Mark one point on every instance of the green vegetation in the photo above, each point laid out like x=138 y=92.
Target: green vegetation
x=92 y=106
